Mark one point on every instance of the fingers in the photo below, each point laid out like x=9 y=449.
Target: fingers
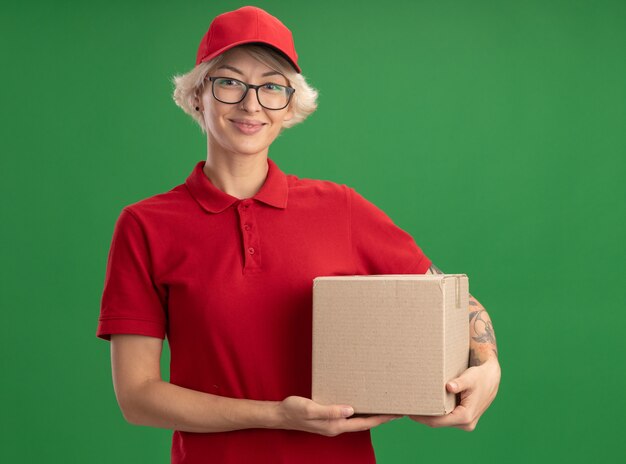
x=344 y=417
x=355 y=424
x=477 y=387
x=330 y=420
x=305 y=408
x=359 y=424
x=463 y=382
x=325 y=412
x=461 y=417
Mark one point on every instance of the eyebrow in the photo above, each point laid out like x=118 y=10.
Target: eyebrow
x=233 y=69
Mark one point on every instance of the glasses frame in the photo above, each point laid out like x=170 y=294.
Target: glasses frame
x=290 y=91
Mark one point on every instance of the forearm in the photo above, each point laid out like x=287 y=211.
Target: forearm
x=157 y=403
x=482 y=336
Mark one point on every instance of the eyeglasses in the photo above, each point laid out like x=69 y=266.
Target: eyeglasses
x=270 y=96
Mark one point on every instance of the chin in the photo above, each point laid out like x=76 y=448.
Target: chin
x=249 y=151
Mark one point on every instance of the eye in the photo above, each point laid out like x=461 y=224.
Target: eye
x=225 y=82
x=274 y=88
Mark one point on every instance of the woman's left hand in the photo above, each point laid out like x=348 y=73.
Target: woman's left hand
x=478 y=386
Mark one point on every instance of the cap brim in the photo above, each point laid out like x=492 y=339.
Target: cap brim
x=247 y=41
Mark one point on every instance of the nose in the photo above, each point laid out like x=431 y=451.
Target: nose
x=250 y=102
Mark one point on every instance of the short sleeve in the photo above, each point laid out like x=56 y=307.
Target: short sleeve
x=378 y=245
x=131 y=302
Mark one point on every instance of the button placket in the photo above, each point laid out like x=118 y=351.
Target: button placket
x=250 y=239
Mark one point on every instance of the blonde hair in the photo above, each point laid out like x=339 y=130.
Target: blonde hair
x=190 y=85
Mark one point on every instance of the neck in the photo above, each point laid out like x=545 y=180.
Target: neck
x=240 y=176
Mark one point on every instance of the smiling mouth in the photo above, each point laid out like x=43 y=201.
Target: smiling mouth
x=247 y=128
x=247 y=124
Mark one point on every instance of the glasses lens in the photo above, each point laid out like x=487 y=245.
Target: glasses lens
x=273 y=96
x=228 y=90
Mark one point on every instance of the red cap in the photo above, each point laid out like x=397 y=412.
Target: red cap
x=246 y=25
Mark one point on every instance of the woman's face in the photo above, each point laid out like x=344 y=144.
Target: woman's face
x=223 y=121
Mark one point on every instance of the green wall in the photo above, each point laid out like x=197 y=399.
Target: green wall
x=492 y=131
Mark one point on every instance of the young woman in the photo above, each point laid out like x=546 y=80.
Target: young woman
x=223 y=266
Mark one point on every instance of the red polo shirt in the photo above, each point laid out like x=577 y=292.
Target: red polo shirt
x=229 y=282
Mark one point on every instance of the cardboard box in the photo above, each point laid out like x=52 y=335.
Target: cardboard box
x=389 y=343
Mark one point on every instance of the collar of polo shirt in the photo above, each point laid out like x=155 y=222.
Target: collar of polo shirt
x=213 y=200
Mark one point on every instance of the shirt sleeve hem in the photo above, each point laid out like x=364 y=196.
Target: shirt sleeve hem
x=108 y=327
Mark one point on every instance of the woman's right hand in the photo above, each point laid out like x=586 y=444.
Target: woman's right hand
x=299 y=413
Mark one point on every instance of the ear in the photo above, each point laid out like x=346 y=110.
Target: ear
x=198 y=103
x=290 y=113
x=197 y=100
